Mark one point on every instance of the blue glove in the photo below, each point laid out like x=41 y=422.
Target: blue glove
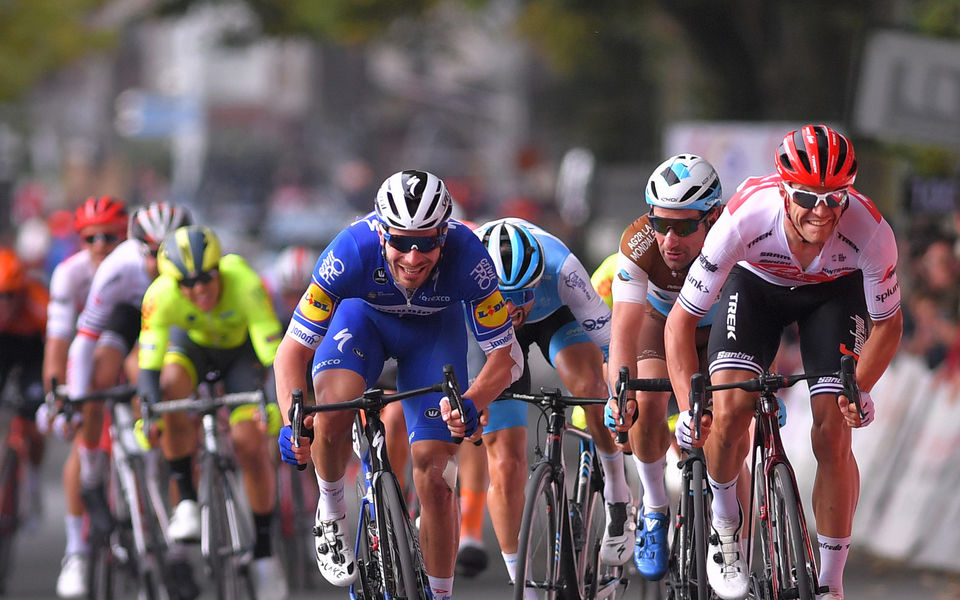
x=608 y=419
x=782 y=413
x=471 y=419
x=286 y=445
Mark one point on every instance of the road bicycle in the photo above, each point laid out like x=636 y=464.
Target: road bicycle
x=297 y=496
x=14 y=456
x=134 y=551
x=226 y=530
x=788 y=568
x=561 y=533
x=687 y=564
x=389 y=559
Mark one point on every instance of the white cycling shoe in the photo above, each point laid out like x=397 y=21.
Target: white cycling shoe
x=184 y=524
x=269 y=580
x=831 y=596
x=72 y=581
x=335 y=557
x=726 y=568
x=618 y=533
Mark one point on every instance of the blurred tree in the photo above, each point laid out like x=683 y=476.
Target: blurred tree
x=39 y=36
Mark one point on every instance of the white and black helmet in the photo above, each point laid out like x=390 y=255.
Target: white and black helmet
x=684 y=181
x=152 y=223
x=413 y=200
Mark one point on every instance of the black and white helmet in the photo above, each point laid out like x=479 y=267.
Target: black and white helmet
x=152 y=223
x=413 y=200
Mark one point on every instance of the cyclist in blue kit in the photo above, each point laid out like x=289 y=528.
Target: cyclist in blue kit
x=393 y=284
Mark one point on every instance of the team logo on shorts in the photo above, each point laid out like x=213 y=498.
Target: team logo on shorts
x=492 y=311
x=432 y=413
x=316 y=304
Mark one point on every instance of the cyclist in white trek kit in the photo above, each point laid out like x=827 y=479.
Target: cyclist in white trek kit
x=101 y=225
x=800 y=245
x=656 y=251
x=107 y=331
x=552 y=304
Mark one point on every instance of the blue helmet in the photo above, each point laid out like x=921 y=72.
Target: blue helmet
x=684 y=181
x=517 y=255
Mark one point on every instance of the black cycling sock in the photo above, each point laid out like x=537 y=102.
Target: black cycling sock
x=181 y=470
x=262 y=523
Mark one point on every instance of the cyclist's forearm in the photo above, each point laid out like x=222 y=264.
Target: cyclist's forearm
x=55 y=361
x=495 y=376
x=879 y=350
x=148 y=385
x=289 y=368
x=681 y=350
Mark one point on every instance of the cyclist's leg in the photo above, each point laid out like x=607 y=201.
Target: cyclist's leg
x=837 y=325
x=472 y=555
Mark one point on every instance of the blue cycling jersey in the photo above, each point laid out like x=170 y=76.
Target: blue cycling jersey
x=353 y=266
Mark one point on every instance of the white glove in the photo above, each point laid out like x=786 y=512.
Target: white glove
x=684 y=429
x=63 y=429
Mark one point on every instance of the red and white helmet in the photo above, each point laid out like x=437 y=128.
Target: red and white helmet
x=817 y=156
x=151 y=224
x=294 y=268
x=105 y=210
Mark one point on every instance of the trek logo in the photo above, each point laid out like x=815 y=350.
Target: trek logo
x=759 y=238
x=888 y=292
x=343 y=336
x=732 y=316
x=848 y=242
x=330 y=268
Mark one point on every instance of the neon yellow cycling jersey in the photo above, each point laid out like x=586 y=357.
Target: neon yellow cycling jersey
x=243 y=308
x=602 y=278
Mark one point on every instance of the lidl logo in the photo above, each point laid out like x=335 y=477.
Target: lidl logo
x=315 y=304
x=492 y=311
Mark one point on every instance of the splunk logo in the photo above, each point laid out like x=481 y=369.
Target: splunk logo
x=732 y=316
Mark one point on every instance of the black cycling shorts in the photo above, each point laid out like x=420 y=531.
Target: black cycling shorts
x=541 y=333
x=238 y=368
x=124 y=321
x=831 y=318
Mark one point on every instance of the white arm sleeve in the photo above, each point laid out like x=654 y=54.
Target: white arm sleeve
x=62 y=310
x=630 y=282
x=80 y=365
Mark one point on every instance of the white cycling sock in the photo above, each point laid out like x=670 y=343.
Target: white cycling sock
x=833 y=557
x=615 y=488
x=442 y=587
x=76 y=543
x=331 y=504
x=510 y=560
x=726 y=506
x=638 y=464
x=93 y=463
x=654 y=489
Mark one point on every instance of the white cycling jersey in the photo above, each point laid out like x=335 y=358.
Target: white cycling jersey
x=69 y=286
x=751 y=232
x=121 y=279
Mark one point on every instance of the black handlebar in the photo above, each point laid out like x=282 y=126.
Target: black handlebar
x=698 y=399
x=451 y=389
x=623 y=378
x=296 y=421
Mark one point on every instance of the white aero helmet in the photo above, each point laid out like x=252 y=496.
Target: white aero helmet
x=294 y=267
x=413 y=200
x=684 y=181
x=151 y=224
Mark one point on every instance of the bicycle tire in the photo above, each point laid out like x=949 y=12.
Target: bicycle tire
x=216 y=541
x=795 y=571
x=152 y=547
x=369 y=582
x=537 y=553
x=407 y=579
x=9 y=507
x=764 y=580
x=293 y=530
x=588 y=529
x=697 y=576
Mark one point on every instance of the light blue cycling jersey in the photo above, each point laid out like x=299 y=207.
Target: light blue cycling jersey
x=566 y=283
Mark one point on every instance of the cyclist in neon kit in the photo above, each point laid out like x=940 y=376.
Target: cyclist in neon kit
x=101 y=224
x=798 y=245
x=656 y=251
x=391 y=284
x=216 y=316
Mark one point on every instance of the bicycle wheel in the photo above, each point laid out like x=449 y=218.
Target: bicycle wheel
x=588 y=521
x=219 y=527
x=293 y=529
x=147 y=535
x=794 y=571
x=404 y=573
x=9 y=519
x=369 y=583
x=537 y=560
x=697 y=563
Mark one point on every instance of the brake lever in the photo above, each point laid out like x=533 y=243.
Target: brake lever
x=622 y=379
x=296 y=421
x=848 y=377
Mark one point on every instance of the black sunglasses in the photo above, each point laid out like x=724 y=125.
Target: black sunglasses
x=406 y=243
x=681 y=227
x=107 y=238
x=201 y=277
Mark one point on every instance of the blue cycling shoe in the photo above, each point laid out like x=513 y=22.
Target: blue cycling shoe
x=651 y=552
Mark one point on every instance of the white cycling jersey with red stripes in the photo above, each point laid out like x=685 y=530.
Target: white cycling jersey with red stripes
x=751 y=232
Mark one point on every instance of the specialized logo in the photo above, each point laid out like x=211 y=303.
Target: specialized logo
x=484 y=274
x=342 y=337
x=316 y=304
x=492 y=311
x=732 y=316
x=380 y=276
x=330 y=268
